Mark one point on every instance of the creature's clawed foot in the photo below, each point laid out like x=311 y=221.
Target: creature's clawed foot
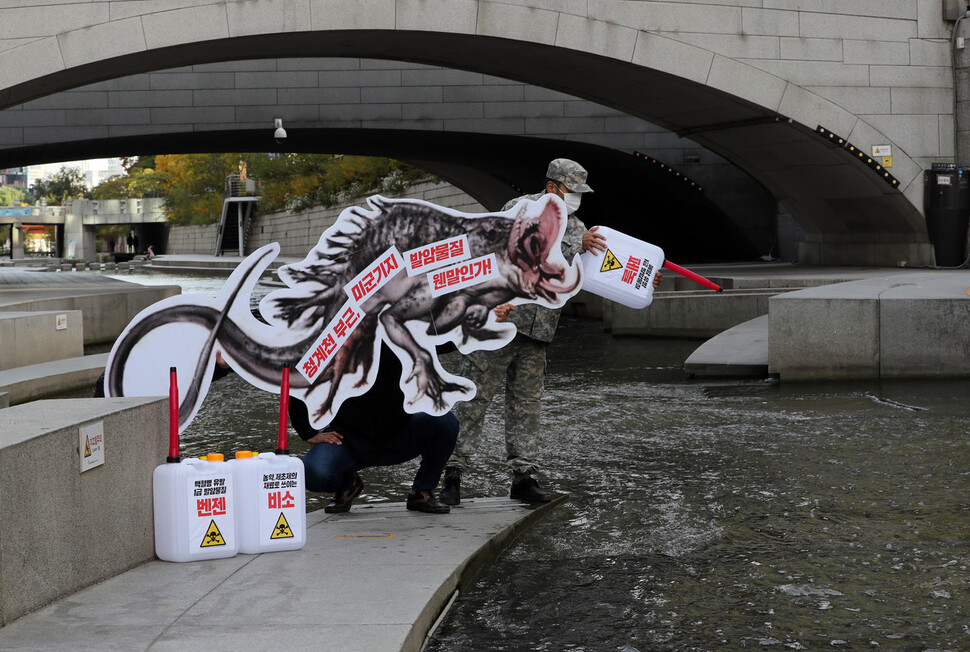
x=479 y=334
x=476 y=315
x=431 y=384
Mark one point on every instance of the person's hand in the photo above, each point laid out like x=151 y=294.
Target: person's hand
x=502 y=312
x=330 y=437
x=593 y=241
x=656 y=279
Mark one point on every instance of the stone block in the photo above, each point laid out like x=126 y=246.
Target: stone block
x=747 y=82
x=737 y=46
x=77 y=99
x=442 y=111
x=923 y=326
x=817 y=73
x=11 y=136
x=335 y=63
x=812 y=110
x=674 y=57
x=510 y=93
x=327 y=95
x=291 y=79
x=30 y=61
x=433 y=77
x=686 y=313
x=183 y=80
x=918 y=135
x=597 y=37
x=148 y=99
x=676 y=17
x=770 y=22
x=811 y=49
x=410 y=94
x=829 y=25
x=267 y=16
x=193 y=115
x=101 y=41
x=34 y=337
x=814 y=335
x=40 y=20
x=363 y=14
x=855 y=99
x=93 y=117
x=928 y=21
x=921 y=100
x=229 y=97
x=929 y=53
x=448 y=16
x=880 y=53
x=60 y=529
x=517 y=22
x=49 y=117
x=914 y=76
x=524 y=110
x=185 y=25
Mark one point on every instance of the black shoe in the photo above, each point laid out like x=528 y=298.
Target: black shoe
x=342 y=500
x=451 y=491
x=424 y=501
x=525 y=487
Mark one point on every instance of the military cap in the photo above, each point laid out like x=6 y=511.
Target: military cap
x=569 y=173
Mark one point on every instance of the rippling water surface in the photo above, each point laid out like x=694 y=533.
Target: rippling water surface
x=703 y=515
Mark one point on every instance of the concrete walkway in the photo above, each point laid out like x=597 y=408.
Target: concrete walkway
x=376 y=578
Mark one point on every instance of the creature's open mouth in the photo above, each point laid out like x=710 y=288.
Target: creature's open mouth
x=554 y=282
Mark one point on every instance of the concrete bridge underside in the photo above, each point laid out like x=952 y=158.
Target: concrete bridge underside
x=635 y=58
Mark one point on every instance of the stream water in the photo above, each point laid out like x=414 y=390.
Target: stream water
x=701 y=514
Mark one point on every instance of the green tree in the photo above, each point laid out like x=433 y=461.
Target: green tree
x=65 y=185
x=136 y=184
x=9 y=196
x=193 y=184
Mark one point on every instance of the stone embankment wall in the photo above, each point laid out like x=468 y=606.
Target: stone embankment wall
x=298 y=233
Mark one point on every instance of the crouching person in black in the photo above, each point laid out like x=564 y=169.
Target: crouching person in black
x=374 y=430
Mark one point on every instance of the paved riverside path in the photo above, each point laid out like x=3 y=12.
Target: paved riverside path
x=373 y=579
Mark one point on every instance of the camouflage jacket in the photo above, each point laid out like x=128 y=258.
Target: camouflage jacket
x=533 y=320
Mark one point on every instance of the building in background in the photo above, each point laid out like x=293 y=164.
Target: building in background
x=14 y=178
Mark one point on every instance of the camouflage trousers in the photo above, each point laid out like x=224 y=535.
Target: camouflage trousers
x=521 y=367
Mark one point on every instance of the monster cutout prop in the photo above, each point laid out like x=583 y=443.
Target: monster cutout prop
x=406 y=272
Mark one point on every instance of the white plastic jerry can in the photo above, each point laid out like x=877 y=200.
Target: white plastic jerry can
x=195 y=505
x=625 y=271
x=271 y=502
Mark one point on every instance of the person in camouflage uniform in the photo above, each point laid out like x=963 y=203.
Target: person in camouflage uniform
x=521 y=364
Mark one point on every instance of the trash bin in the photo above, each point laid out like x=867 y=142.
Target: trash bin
x=946 y=204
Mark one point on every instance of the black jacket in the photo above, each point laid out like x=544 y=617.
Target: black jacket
x=370 y=423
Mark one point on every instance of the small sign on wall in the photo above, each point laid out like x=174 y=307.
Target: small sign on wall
x=883 y=154
x=91 y=445
x=60 y=322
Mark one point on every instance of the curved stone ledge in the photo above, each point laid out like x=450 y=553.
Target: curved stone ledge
x=373 y=579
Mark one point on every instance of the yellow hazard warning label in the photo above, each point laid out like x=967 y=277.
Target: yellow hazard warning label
x=282 y=529
x=610 y=262
x=87 y=447
x=213 y=537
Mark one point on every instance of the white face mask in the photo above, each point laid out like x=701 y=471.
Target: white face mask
x=572 y=200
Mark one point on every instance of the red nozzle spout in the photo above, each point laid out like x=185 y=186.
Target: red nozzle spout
x=173 y=417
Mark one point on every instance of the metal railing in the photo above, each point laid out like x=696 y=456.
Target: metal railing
x=240 y=186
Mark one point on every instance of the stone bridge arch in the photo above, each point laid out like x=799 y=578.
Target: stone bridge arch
x=631 y=56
